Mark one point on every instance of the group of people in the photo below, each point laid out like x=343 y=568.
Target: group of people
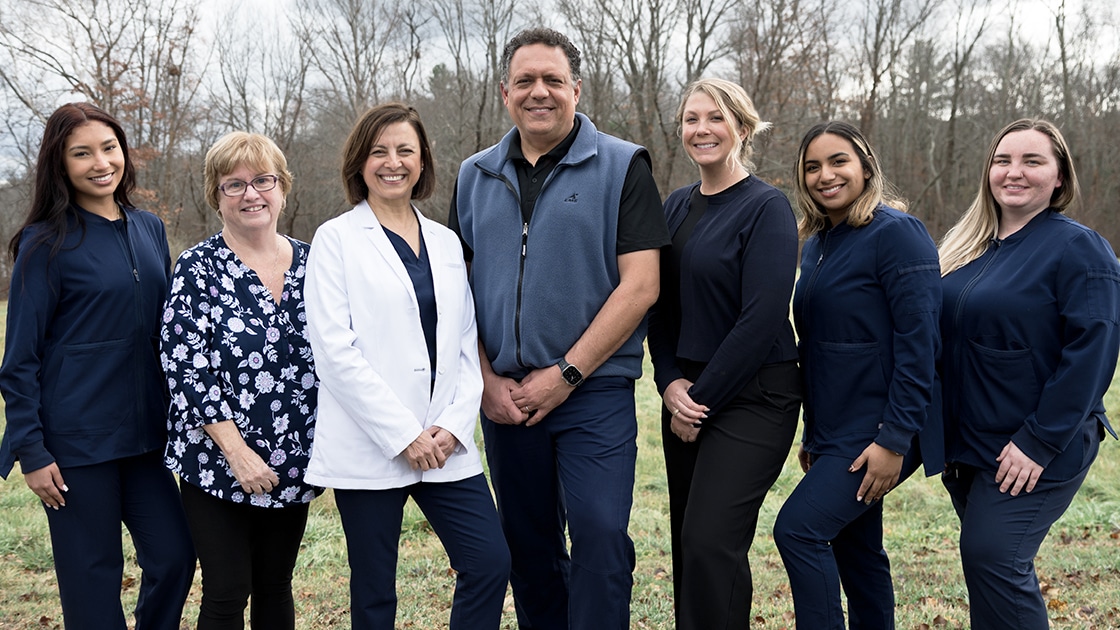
x=261 y=370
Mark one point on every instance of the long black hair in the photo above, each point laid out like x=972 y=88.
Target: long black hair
x=53 y=194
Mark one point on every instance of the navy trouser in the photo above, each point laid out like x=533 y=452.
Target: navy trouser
x=575 y=467
x=828 y=539
x=86 y=539
x=716 y=486
x=462 y=514
x=244 y=550
x=1000 y=536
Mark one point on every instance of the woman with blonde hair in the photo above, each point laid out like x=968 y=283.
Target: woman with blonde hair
x=866 y=309
x=724 y=356
x=243 y=389
x=1031 y=307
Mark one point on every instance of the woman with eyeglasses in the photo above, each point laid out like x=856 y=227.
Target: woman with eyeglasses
x=239 y=368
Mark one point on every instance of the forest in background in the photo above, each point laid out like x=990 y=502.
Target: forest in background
x=929 y=81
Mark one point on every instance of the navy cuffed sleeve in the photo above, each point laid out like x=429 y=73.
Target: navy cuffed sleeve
x=911 y=277
x=1088 y=284
x=31 y=302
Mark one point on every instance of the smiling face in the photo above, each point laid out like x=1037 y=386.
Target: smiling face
x=1024 y=173
x=710 y=139
x=94 y=164
x=393 y=166
x=252 y=211
x=541 y=96
x=833 y=174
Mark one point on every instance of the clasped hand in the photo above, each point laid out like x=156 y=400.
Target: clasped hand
x=431 y=449
x=687 y=414
x=507 y=401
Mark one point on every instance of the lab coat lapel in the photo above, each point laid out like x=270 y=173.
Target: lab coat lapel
x=375 y=234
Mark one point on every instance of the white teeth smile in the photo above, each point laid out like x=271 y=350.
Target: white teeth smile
x=707 y=145
x=392 y=178
x=832 y=189
x=103 y=179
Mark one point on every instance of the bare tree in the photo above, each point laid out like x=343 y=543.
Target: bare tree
x=137 y=59
x=886 y=28
x=351 y=43
x=642 y=31
x=705 y=25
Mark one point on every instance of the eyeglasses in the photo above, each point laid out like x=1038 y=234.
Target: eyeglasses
x=237 y=188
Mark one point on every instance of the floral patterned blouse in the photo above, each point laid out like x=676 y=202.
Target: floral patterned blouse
x=231 y=353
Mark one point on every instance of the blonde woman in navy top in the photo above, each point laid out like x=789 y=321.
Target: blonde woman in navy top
x=84 y=395
x=866 y=308
x=724 y=357
x=1032 y=303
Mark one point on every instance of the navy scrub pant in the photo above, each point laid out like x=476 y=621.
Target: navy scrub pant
x=1000 y=536
x=575 y=467
x=86 y=539
x=716 y=487
x=462 y=514
x=827 y=539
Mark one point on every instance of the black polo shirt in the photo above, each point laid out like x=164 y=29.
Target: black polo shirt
x=641 y=220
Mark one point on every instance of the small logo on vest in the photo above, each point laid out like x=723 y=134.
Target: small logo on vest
x=572 y=198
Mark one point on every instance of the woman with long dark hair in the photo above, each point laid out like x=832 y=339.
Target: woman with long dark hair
x=81 y=379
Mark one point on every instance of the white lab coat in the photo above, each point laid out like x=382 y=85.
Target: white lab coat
x=372 y=360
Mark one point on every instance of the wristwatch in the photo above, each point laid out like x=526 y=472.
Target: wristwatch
x=571 y=373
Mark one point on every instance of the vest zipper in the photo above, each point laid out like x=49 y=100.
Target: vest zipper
x=520 y=281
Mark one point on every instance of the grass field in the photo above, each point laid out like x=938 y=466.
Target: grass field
x=1079 y=565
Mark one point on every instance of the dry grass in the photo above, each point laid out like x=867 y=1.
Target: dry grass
x=1078 y=563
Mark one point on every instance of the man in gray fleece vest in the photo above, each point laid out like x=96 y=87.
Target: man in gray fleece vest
x=562 y=225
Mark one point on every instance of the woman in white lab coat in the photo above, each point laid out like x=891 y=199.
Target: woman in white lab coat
x=392 y=327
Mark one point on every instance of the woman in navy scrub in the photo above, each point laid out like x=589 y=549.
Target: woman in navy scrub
x=724 y=356
x=392 y=325
x=84 y=394
x=1032 y=300
x=866 y=310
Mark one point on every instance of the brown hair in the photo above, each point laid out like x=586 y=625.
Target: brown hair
x=876 y=189
x=52 y=194
x=366 y=132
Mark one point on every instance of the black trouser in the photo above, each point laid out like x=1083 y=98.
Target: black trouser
x=244 y=550
x=716 y=487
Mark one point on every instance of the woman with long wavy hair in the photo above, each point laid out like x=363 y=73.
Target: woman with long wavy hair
x=81 y=379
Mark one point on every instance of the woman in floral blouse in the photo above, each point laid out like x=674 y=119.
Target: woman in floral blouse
x=243 y=389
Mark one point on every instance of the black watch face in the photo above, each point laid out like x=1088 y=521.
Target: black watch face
x=572 y=375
